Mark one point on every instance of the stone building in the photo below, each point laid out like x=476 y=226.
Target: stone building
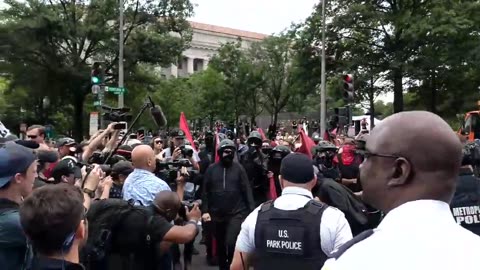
x=206 y=40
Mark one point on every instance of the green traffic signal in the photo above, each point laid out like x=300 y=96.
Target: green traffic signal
x=95 y=80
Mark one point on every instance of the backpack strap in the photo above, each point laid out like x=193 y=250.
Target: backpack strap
x=364 y=235
x=266 y=206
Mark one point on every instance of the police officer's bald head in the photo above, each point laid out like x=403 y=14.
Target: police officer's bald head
x=410 y=156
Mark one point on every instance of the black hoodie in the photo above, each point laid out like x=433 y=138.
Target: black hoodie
x=226 y=191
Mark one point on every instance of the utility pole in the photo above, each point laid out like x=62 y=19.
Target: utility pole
x=120 y=54
x=323 y=94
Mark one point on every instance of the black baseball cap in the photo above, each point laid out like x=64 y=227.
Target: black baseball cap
x=66 y=141
x=14 y=159
x=64 y=167
x=47 y=156
x=177 y=133
x=122 y=167
x=297 y=168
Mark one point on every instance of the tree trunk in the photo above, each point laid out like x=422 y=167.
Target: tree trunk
x=372 y=104
x=275 y=118
x=433 y=93
x=397 y=90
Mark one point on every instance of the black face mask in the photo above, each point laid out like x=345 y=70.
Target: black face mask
x=226 y=160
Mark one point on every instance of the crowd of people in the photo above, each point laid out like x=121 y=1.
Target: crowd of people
x=393 y=198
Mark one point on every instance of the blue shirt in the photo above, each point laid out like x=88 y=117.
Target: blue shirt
x=142 y=186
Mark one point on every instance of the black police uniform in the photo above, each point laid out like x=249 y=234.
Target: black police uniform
x=465 y=204
x=289 y=239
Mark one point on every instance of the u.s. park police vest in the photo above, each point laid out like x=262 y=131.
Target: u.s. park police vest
x=465 y=204
x=289 y=239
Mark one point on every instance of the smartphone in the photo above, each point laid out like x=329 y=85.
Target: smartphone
x=120 y=126
x=141 y=132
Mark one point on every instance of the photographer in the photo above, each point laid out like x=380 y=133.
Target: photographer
x=99 y=141
x=178 y=149
x=138 y=237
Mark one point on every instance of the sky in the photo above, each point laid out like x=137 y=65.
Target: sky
x=261 y=16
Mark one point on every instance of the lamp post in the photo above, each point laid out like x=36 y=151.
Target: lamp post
x=323 y=91
x=120 y=54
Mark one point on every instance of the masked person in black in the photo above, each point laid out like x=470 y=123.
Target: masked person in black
x=324 y=153
x=227 y=200
x=274 y=162
x=465 y=204
x=255 y=164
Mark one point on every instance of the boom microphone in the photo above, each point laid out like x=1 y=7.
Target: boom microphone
x=158 y=116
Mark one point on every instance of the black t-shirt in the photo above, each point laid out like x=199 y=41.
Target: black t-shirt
x=42 y=263
x=130 y=237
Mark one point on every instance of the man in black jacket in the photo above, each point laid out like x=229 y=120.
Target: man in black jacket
x=227 y=200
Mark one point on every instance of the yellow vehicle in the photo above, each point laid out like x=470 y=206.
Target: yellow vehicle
x=471 y=126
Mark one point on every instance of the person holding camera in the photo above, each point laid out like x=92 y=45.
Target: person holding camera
x=178 y=149
x=227 y=200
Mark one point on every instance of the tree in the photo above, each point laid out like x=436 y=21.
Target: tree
x=416 y=46
x=275 y=60
x=242 y=76
x=209 y=87
x=60 y=39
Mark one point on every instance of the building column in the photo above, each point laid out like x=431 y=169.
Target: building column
x=190 y=65
x=205 y=64
x=174 y=70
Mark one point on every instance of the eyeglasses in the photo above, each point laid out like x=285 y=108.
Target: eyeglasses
x=32 y=136
x=367 y=154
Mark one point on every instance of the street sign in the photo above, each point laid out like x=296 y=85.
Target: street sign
x=115 y=90
x=93 y=123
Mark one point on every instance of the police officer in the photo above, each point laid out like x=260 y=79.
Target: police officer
x=412 y=182
x=294 y=231
x=465 y=204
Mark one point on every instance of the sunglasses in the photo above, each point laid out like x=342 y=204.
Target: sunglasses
x=32 y=136
x=158 y=142
x=367 y=154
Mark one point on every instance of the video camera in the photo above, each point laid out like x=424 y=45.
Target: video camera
x=169 y=170
x=116 y=114
x=100 y=157
x=186 y=151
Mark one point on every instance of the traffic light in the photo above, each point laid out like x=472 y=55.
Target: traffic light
x=348 y=88
x=96 y=74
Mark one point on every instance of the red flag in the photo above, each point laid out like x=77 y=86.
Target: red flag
x=217 y=144
x=307 y=144
x=262 y=134
x=273 y=190
x=184 y=126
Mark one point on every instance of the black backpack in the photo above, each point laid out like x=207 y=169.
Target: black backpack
x=104 y=218
x=360 y=216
